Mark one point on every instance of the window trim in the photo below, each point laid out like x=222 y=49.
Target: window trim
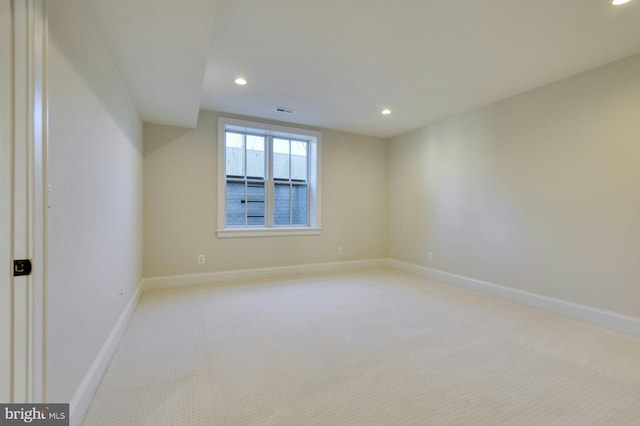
x=314 y=180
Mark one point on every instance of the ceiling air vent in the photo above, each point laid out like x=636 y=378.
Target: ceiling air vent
x=280 y=109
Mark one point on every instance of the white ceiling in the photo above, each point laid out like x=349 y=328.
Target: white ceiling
x=161 y=47
x=337 y=63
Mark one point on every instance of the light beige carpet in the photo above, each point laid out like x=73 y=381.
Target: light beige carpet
x=370 y=348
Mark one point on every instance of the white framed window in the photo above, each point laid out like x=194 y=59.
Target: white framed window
x=268 y=179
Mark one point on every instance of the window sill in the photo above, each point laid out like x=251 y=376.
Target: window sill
x=266 y=232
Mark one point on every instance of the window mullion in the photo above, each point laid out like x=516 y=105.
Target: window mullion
x=246 y=182
x=246 y=205
x=290 y=185
x=308 y=146
x=290 y=202
x=269 y=190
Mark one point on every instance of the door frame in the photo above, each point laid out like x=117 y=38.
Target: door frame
x=6 y=203
x=24 y=142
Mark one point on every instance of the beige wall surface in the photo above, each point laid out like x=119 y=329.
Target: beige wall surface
x=180 y=205
x=540 y=192
x=95 y=219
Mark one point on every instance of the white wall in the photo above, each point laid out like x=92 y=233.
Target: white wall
x=540 y=192
x=180 y=184
x=95 y=170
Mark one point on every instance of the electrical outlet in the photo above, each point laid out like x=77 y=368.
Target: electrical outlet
x=429 y=256
x=201 y=259
x=340 y=251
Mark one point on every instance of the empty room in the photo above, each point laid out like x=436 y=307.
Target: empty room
x=292 y=212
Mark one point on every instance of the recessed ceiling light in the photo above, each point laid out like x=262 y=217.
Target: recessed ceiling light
x=386 y=111
x=619 y=2
x=240 y=81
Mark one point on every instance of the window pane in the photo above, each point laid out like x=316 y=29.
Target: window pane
x=234 y=154
x=299 y=160
x=299 y=205
x=281 y=204
x=255 y=203
x=255 y=156
x=280 y=159
x=235 y=206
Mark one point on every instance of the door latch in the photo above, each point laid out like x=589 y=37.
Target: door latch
x=21 y=267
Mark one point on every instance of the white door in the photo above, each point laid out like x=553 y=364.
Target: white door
x=22 y=135
x=6 y=244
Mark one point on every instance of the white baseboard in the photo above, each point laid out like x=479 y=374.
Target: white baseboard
x=82 y=399
x=248 y=274
x=595 y=316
